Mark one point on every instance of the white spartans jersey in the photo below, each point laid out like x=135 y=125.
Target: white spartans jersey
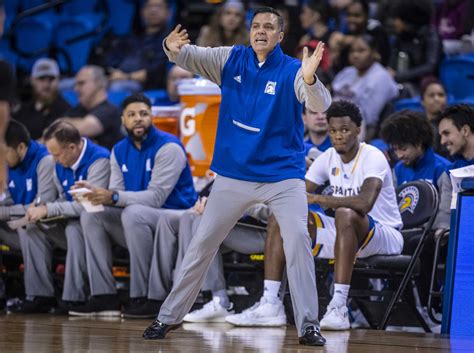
x=346 y=179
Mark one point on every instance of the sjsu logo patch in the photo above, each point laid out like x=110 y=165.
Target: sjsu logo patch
x=270 y=88
x=409 y=199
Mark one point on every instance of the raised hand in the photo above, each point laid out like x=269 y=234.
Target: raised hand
x=310 y=63
x=176 y=39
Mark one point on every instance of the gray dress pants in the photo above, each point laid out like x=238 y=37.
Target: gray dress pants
x=37 y=246
x=227 y=202
x=132 y=227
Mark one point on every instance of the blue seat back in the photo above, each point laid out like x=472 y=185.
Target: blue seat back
x=33 y=35
x=78 y=7
x=457 y=75
x=70 y=27
x=121 y=13
x=410 y=104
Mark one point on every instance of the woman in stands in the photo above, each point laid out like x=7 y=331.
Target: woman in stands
x=227 y=27
x=434 y=100
x=366 y=83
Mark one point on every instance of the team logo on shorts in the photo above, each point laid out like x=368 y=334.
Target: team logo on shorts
x=409 y=199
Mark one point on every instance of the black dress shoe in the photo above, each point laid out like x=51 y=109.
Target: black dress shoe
x=158 y=330
x=312 y=337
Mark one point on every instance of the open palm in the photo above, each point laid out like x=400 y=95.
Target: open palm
x=311 y=62
x=176 y=39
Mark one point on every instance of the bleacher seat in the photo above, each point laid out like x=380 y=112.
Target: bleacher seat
x=11 y=10
x=28 y=4
x=465 y=100
x=409 y=103
x=70 y=96
x=33 y=37
x=457 y=75
x=7 y=54
x=121 y=17
x=78 y=7
x=156 y=96
x=117 y=97
x=70 y=27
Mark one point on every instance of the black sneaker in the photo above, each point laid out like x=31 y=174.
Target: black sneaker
x=39 y=305
x=149 y=309
x=158 y=330
x=312 y=337
x=64 y=307
x=99 y=305
x=135 y=303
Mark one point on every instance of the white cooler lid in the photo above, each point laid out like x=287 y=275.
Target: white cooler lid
x=197 y=86
x=166 y=111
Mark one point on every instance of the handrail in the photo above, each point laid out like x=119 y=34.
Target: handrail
x=36 y=10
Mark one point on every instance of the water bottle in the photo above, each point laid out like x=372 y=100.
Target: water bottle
x=403 y=62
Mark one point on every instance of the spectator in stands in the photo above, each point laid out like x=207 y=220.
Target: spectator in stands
x=149 y=176
x=314 y=18
x=410 y=135
x=366 y=83
x=291 y=28
x=417 y=49
x=137 y=61
x=339 y=10
x=226 y=28
x=47 y=104
x=358 y=23
x=30 y=181
x=175 y=74
x=324 y=70
x=456 y=127
x=318 y=139
x=95 y=117
x=434 y=100
x=7 y=91
x=76 y=159
x=366 y=222
x=453 y=21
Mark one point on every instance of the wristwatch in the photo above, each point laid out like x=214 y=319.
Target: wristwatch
x=115 y=197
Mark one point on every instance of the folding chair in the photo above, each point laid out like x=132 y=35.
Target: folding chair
x=439 y=266
x=418 y=203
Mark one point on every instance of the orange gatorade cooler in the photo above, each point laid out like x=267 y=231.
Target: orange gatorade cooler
x=166 y=118
x=200 y=101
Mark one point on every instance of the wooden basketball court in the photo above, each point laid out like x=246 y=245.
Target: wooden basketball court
x=52 y=334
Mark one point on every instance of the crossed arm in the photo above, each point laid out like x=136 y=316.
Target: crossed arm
x=361 y=203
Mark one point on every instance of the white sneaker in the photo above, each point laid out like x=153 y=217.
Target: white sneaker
x=336 y=319
x=211 y=312
x=262 y=313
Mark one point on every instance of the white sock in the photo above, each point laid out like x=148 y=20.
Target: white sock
x=271 y=290
x=223 y=297
x=341 y=291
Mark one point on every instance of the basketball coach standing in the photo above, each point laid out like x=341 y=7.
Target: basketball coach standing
x=259 y=157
